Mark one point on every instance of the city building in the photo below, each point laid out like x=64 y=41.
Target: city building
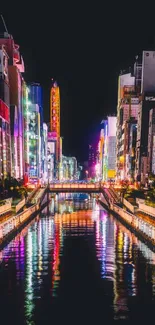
x=136 y=103
x=70 y=171
x=99 y=166
x=5 y=139
x=29 y=150
x=15 y=80
x=127 y=114
x=25 y=105
x=151 y=142
x=131 y=156
x=147 y=103
x=92 y=161
x=60 y=166
x=108 y=156
x=34 y=143
x=36 y=97
x=44 y=158
x=79 y=172
x=51 y=156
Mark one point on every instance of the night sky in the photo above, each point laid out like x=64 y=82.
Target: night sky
x=83 y=45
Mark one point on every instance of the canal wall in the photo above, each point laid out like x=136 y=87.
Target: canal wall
x=129 y=206
x=143 y=227
x=6 y=207
x=20 y=205
x=135 y=223
x=145 y=208
x=141 y=206
x=13 y=224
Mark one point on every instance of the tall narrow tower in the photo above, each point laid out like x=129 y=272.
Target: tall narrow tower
x=55 y=116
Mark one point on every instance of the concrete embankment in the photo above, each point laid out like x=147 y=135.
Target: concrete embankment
x=12 y=224
x=142 y=228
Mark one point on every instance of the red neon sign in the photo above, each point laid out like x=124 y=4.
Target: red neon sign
x=4 y=111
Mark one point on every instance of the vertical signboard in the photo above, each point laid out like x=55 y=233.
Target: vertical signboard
x=55 y=116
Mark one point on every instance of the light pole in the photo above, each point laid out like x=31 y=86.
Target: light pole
x=86 y=175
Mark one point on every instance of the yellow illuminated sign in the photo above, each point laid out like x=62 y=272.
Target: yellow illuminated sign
x=111 y=173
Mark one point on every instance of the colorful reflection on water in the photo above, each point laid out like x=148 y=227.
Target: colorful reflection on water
x=76 y=257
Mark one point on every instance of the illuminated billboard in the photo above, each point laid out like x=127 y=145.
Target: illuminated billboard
x=52 y=136
x=55 y=116
x=55 y=109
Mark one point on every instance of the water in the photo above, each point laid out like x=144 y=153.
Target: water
x=77 y=265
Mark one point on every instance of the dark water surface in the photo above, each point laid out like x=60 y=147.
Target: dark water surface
x=75 y=264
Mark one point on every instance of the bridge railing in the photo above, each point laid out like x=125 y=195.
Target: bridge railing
x=74 y=186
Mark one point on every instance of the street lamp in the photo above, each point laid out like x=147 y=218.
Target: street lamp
x=86 y=174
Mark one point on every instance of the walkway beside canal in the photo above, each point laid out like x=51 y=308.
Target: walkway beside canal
x=10 y=222
x=142 y=223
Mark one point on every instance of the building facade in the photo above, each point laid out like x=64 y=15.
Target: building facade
x=51 y=155
x=108 y=162
x=127 y=115
x=5 y=139
x=147 y=103
x=92 y=161
x=44 y=159
x=15 y=70
x=70 y=171
x=25 y=105
x=36 y=97
x=151 y=142
x=34 y=143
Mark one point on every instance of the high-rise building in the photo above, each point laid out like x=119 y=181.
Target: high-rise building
x=34 y=143
x=136 y=98
x=108 y=162
x=5 y=140
x=70 y=171
x=15 y=70
x=101 y=150
x=148 y=72
x=25 y=105
x=44 y=153
x=151 y=142
x=36 y=97
x=51 y=155
x=60 y=162
x=137 y=73
x=147 y=103
x=92 y=160
x=131 y=156
x=127 y=113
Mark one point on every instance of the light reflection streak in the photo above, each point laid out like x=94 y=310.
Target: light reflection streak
x=29 y=305
x=56 y=262
x=37 y=252
x=116 y=247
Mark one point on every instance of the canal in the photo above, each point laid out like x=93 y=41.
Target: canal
x=76 y=264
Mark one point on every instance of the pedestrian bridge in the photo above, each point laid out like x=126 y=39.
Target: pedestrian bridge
x=74 y=187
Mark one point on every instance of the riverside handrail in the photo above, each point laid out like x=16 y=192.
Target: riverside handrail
x=5 y=207
x=7 y=226
x=136 y=222
x=129 y=206
x=20 y=205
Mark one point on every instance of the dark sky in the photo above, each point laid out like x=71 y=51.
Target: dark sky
x=83 y=45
